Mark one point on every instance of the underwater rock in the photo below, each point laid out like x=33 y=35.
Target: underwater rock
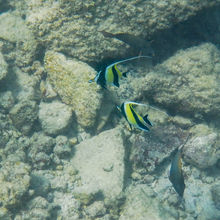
x=15 y=181
x=14 y=30
x=25 y=87
x=65 y=28
x=37 y=208
x=96 y=209
x=187 y=83
x=6 y=100
x=142 y=204
x=40 y=150
x=100 y=162
x=69 y=206
x=23 y=115
x=203 y=148
x=5 y=214
x=39 y=184
x=3 y=67
x=55 y=117
x=62 y=147
x=216 y=195
x=199 y=199
x=149 y=150
x=70 y=80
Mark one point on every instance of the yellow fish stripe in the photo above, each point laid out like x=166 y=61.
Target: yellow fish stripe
x=109 y=76
x=129 y=114
x=118 y=71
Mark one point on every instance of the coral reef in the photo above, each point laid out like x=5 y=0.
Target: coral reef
x=65 y=150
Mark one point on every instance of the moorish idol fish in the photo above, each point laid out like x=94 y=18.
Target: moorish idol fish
x=133 y=118
x=111 y=75
x=176 y=174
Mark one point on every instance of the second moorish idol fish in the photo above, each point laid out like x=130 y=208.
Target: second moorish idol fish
x=133 y=118
x=176 y=174
x=111 y=75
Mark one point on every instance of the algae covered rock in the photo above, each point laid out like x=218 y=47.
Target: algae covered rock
x=149 y=150
x=40 y=150
x=3 y=67
x=14 y=30
x=215 y=190
x=203 y=148
x=142 y=204
x=70 y=80
x=37 y=208
x=14 y=180
x=54 y=117
x=6 y=100
x=65 y=28
x=100 y=162
x=188 y=83
x=24 y=115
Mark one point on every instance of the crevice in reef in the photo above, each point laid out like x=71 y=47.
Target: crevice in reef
x=203 y=27
x=4 y=6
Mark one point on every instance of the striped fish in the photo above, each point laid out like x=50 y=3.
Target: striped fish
x=133 y=118
x=176 y=174
x=111 y=75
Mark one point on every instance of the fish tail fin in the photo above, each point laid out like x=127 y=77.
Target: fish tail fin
x=147 y=120
x=125 y=74
x=116 y=84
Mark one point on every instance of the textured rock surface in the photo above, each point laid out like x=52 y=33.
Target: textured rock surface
x=14 y=30
x=84 y=19
x=100 y=161
x=149 y=150
x=216 y=195
x=187 y=83
x=40 y=150
x=15 y=180
x=55 y=117
x=3 y=67
x=6 y=100
x=142 y=204
x=70 y=80
x=25 y=87
x=24 y=115
x=40 y=209
x=203 y=149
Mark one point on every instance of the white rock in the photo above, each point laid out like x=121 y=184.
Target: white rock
x=54 y=117
x=142 y=205
x=100 y=162
x=202 y=151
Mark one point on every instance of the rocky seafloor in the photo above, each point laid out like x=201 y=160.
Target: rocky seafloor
x=65 y=150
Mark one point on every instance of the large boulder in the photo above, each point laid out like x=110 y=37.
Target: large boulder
x=73 y=26
x=70 y=80
x=100 y=162
x=186 y=84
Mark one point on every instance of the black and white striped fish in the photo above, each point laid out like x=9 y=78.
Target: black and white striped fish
x=133 y=118
x=111 y=75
